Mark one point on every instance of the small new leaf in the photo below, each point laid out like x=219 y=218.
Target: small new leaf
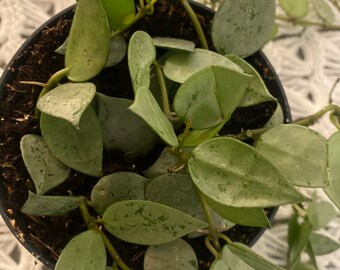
x=295 y=9
x=120 y=14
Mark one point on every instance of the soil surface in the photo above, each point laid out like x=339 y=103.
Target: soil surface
x=37 y=63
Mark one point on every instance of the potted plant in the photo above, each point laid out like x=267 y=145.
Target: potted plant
x=140 y=159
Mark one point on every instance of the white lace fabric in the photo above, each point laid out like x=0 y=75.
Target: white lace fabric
x=306 y=60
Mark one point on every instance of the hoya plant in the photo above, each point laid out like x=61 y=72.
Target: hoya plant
x=204 y=180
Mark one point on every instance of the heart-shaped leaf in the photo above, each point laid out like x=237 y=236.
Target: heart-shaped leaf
x=256 y=91
x=120 y=14
x=41 y=205
x=88 y=44
x=117 y=187
x=68 y=101
x=251 y=258
x=146 y=107
x=175 y=255
x=148 y=223
x=322 y=244
x=45 y=169
x=294 y=149
x=141 y=54
x=180 y=66
x=174 y=44
x=174 y=190
x=333 y=190
x=209 y=97
x=324 y=10
x=235 y=174
x=242 y=27
x=295 y=9
x=122 y=129
x=80 y=149
x=86 y=251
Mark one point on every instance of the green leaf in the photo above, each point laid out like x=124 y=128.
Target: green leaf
x=235 y=174
x=333 y=190
x=117 y=187
x=242 y=27
x=322 y=244
x=229 y=261
x=209 y=97
x=256 y=91
x=277 y=118
x=298 y=243
x=251 y=258
x=117 y=51
x=122 y=129
x=182 y=65
x=81 y=149
x=88 y=43
x=174 y=44
x=45 y=169
x=148 y=223
x=120 y=14
x=299 y=153
x=295 y=9
x=174 y=190
x=40 y=205
x=68 y=101
x=175 y=255
x=146 y=107
x=320 y=213
x=324 y=10
x=141 y=54
x=85 y=251
x=255 y=217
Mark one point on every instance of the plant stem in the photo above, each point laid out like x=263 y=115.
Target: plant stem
x=249 y=134
x=308 y=23
x=299 y=210
x=196 y=24
x=92 y=225
x=207 y=241
x=310 y=120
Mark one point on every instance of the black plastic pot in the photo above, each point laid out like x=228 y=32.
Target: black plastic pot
x=14 y=219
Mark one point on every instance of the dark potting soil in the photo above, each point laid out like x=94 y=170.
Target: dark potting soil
x=39 y=62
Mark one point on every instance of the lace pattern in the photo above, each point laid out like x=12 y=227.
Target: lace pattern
x=306 y=60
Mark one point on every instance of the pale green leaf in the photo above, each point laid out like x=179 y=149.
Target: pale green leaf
x=45 y=169
x=88 y=43
x=323 y=245
x=122 y=129
x=256 y=91
x=299 y=153
x=175 y=255
x=174 y=44
x=148 y=223
x=85 y=251
x=80 y=149
x=180 y=66
x=333 y=190
x=235 y=174
x=295 y=8
x=120 y=14
x=41 y=205
x=68 y=101
x=210 y=96
x=277 y=118
x=117 y=51
x=324 y=10
x=174 y=190
x=146 y=106
x=117 y=187
x=242 y=27
x=229 y=261
x=251 y=258
x=141 y=54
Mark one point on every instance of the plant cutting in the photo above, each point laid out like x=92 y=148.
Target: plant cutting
x=201 y=177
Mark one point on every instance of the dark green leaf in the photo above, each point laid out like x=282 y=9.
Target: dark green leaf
x=40 y=205
x=86 y=251
x=120 y=14
x=88 y=43
x=235 y=174
x=242 y=27
x=148 y=223
x=45 y=169
x=81 y=149
x=322 y=244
